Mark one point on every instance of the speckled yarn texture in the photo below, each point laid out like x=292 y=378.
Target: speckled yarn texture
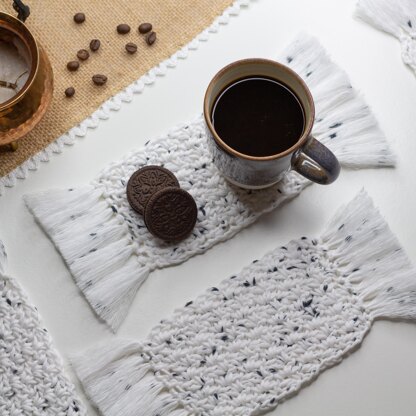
x=106 y=244
x=244 y=346
x=396 y=17
x=32 y=378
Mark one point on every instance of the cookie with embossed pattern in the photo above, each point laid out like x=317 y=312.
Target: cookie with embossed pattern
x=145 y=182
x=171 y=214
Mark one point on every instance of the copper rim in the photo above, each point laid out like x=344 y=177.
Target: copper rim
x=19 y=132
x=11 y=23
x=308 y=125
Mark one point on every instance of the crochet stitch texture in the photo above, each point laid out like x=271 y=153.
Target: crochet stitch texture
x=395 y=17
x=32 y=378
x=244 y=346
x=106 y=244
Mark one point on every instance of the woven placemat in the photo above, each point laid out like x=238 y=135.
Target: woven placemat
x=258 y=337
x=51 y=22
x=32 y=376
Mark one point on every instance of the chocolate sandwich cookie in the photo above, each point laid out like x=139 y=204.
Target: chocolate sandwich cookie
x=171 y=214
x=145 y=182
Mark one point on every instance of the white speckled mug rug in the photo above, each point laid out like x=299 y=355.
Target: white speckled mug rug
x=106 y=244
x=396 y=17
x=32 y=378
x=243 y=347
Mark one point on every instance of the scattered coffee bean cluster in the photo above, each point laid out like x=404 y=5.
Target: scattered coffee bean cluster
x=84 y=54
x=169 y=212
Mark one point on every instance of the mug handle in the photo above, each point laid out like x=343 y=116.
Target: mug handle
x=316 y=162
x=23 y=11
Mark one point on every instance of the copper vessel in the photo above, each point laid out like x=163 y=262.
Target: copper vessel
x=21 y=113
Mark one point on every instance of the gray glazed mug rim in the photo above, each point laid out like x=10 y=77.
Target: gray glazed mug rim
x=310 y=116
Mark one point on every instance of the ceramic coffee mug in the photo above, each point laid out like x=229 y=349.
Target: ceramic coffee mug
x=307 y=156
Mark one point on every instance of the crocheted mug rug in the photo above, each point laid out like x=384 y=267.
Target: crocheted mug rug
x=106 y=244
x=395 y=17
x=32 y=377
x=245 y=346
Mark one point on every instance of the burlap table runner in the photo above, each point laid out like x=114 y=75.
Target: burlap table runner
x=176 y=24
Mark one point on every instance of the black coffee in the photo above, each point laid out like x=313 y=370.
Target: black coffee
x=258 y=117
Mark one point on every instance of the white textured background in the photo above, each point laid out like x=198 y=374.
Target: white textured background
x=379 y=378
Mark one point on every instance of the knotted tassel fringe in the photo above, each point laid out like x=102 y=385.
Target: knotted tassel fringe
x=396 y=17
x=344 y=122
x=119 y=380
x=361 y=244
x=96 y=245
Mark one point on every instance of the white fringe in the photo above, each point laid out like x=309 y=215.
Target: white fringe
x=96 y=245
x=371 y=259
x=118 y=379
x=397 y=17
x=115 y=103
x=344 y=121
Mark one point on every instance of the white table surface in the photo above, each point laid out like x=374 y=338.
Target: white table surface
x=379 y=378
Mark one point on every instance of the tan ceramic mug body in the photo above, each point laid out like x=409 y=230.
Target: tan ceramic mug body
x=307 y=156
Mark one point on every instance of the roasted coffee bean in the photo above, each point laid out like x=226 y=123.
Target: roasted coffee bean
x=73 y=65
x=145 y=27
x=123 y=28
x=69 y=92
x=131 y=47
x=99 y=79
x=83 y=54
x=95 y=45
x=151 y=38
x=79 y=18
